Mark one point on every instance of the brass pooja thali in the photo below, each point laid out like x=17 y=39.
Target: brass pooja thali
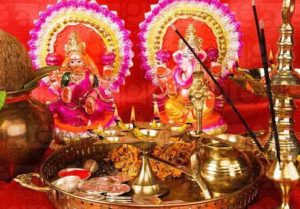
x=183 y=193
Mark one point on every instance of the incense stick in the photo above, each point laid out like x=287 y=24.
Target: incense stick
x=256 y=19
x=263 y=52
x=220 y=88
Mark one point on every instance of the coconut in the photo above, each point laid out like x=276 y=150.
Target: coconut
x=15 y=63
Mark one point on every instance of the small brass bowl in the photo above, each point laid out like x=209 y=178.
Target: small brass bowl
x=194 y=133
x=175 y=129
x=156 y=125
x=112 y=132
x=129 y=126
x=150 y=132
x=113 y=138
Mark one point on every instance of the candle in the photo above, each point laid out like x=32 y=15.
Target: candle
x=220 y=89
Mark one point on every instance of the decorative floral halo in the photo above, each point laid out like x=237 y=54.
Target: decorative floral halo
x=216 y=15
x=105 y=23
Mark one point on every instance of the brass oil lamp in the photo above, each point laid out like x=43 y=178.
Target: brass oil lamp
x=146 y=182
x=285 y=87
x=285 y=176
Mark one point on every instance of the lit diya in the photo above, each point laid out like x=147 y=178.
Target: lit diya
x=125 y=127
x=112 y=132
x=156 y=122
x=82 y=173
x=113 y=138
x=150 y=132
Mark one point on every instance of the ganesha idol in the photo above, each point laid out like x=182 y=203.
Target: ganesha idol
x=83 y=94
x=174 y=85
x=213 y=32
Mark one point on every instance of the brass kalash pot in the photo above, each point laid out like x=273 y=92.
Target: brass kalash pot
x=217 y=166
x=25 y=134
x=25 y=124
x=224 y=168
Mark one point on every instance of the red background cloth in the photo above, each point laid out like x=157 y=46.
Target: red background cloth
x=17 y=18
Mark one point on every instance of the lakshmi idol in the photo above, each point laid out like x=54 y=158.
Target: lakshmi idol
x=83 y=94
x=176 y=83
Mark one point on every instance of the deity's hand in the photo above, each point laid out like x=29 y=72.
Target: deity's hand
x=66 y=94
x=175 y=109
x=163 y=75
x=90 y=103
x=54 y=80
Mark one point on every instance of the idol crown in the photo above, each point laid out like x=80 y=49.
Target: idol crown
x=74 y=45
x=191 y=38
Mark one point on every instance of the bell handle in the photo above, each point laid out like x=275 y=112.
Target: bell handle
x=26 y=181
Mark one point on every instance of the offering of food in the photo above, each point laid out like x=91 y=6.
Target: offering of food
x=127 y=158
x=80 y=172
x=67 y=183
x=179 y=153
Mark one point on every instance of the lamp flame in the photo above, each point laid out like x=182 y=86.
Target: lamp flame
x=132 y=116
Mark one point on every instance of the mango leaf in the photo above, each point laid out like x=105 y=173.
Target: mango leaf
x=2 y=99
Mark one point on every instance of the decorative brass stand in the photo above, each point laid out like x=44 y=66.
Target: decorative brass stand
x=197 y=94
x=284 y=85
x=285 y=176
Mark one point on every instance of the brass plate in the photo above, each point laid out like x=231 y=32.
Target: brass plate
x=180 y=189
